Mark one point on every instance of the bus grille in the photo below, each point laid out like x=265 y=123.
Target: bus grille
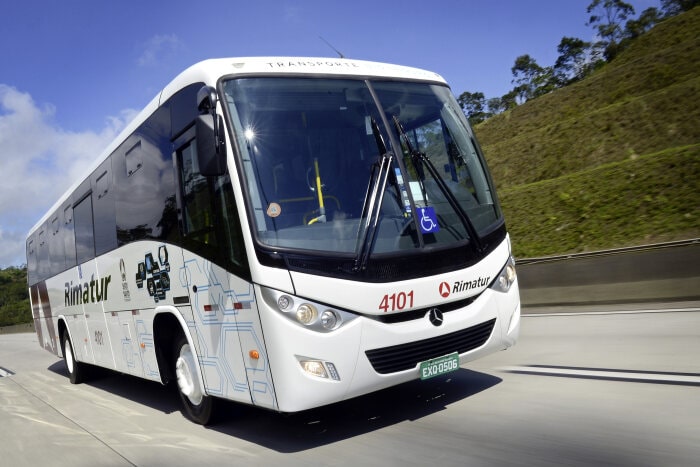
x=406 y=356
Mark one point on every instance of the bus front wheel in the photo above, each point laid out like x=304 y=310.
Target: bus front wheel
x=197 y=405
x=76 y=370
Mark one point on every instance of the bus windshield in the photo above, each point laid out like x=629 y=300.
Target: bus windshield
x=358 y=166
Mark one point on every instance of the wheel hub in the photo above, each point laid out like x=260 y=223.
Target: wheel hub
x=187 y=379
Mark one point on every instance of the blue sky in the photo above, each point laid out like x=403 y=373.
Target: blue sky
x=73 y=72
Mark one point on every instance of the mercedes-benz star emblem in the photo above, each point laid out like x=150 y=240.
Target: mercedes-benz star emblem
x=435 y=316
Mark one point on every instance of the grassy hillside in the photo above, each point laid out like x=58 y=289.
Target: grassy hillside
x=613 y=160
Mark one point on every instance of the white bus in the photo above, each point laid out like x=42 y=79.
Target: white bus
x=282 y=232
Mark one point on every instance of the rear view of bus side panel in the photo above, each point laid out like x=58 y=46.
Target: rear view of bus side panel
x=44 y=323
x=42 y=312
x=43 y=261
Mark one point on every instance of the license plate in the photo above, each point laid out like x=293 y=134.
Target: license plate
x=439 y=366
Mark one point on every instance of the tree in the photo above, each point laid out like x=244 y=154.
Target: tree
x=473 y=105
x=532 y=80
x=572 y=63
x=525 y=71
x=546 y=82
x=647 y=20
x=607 y=18
x=676 y=7
x=496 y=105
x=14 y=297
x=510 y=99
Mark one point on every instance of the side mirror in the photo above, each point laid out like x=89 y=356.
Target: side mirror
x=211 y=148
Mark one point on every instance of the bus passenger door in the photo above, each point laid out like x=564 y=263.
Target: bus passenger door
x=219 y=299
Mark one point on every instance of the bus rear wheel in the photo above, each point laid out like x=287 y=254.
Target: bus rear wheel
x=76 y=370
x=197 y=406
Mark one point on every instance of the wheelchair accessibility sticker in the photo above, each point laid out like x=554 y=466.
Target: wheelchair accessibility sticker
x=428 y=220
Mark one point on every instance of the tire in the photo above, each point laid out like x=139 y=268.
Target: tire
x=76 y=370
x=196 y=405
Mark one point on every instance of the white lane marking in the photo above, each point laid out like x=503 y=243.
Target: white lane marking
x=652 y=377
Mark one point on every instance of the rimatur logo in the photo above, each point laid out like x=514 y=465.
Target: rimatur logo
x=444 y=289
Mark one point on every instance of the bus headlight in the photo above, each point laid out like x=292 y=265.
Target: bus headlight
x=305 y=312
x=330 y=320
x=506 y=277
x=285 y=302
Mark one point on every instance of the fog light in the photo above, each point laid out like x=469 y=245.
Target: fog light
x=314 y=367
x=306 y=314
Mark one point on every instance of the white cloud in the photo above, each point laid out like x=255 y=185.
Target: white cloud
x=39 y=161
x=158 y=48
x=11 y=249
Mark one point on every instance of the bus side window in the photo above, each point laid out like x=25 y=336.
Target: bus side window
x=32 y=263
x=56 y=254
x=197 y=216
x=68 y=237
x=43 y=256
x=210 y=223
x=84 y=237
x=104 y=215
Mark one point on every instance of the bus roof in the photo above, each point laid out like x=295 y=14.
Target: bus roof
x=210 y=71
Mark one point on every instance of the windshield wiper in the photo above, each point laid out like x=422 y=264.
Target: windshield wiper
x=373 y=201
x=419 y=160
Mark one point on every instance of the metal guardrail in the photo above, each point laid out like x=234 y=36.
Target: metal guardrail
x=661 y=272
x=612 y=251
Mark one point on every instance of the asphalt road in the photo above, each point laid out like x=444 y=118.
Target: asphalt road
x=591 y=389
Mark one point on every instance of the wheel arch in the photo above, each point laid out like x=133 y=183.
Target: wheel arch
x=63 y=329
x=168 y=325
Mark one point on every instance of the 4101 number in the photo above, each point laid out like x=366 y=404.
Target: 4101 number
x=396 y=301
